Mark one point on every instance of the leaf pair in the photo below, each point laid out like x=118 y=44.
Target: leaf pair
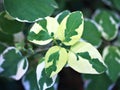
x=68 y=31
x=82 y=57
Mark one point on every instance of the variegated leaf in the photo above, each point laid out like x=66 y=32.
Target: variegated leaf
x=111 y=56
x=43 y=31
x=62 y=15
x=13 y=64
x=98 y=82
x=29 y=81
x=43 y=80
x=84 y=58
x=9 y=25
x=92 y=33
x=71 y=28
x=109 y=27
x=30 y=10
x=55 y=59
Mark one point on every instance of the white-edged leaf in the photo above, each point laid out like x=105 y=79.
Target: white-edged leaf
x=71 y=28
x=97 y=82
x=29 y=81
x=13 y=64
x=85 y=58
x=43 y=31
x=9 y=25
x=55 y=59
x=29 y=10
x=92 y=33
x=109 y=27
x=111 y=56
x=43 y=80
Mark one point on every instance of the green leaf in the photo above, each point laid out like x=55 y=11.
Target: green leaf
x=43 y=80
x=29 y=81
x=43 y=31
x=54 y=60
x=109 y=27
x=69 y=32
x=91 y=32
x=6 y=38
x=111 y=55
x=97 y=82
x=9 y=25
x=84 y=58
x=13 y=64
x=30 y=10
x=62 y=15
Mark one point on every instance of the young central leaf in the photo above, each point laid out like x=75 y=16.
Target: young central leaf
x=71 y=28
x=42 y=35
x=54 y=56
x=84 y=58
x=95 y=62
x=55 y=59
x=73 y=22
x=43 y=31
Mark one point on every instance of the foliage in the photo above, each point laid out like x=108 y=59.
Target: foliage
x=37 y=42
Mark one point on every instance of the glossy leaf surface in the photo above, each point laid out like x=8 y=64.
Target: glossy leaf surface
x=84 y=58
x=43 y=80
x=71 y=28
x=30 y=10
x=111 y=55
x=55 y=59
x=13 y=64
